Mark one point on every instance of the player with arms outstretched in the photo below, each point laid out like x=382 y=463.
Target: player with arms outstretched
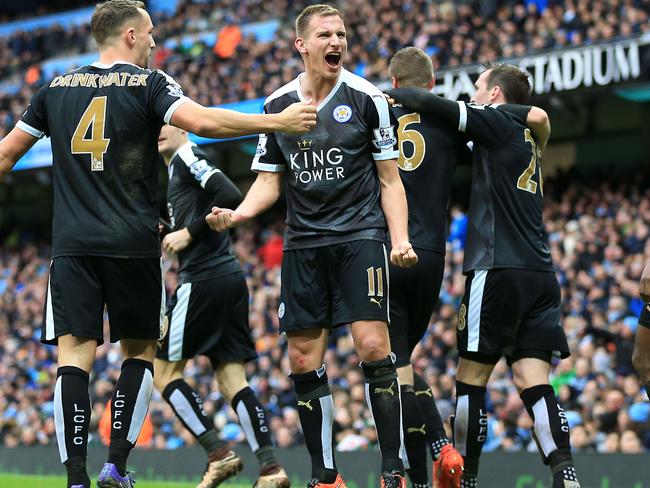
x=343 y=188
x=103 y=120
x=511 y=305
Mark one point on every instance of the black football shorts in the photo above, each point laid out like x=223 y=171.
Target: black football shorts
x=414 y=293
x=329 y=286
x=79 y=288
x=209 y=318
x=511 y=312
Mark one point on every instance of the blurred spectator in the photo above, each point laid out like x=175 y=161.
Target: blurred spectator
x=599 y=272
x=239 y=67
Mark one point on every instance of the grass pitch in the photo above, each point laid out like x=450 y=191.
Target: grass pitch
x=28 y=481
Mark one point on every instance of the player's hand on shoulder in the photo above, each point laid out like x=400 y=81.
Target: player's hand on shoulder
x=403 y=255
x=299 y=117
x=175 y=242
x=391 y=101
x=644 y=285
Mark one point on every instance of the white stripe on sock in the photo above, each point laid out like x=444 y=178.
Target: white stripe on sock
x=543 y=427
x=327 y=407
x=141 y=407
x=461 y=424
x=247 y=425
x=184 y=410
x=59 y=421
x=402 y=446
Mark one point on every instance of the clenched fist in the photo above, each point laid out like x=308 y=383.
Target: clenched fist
x=403 y=255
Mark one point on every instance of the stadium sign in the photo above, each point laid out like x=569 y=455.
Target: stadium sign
x=591 y=66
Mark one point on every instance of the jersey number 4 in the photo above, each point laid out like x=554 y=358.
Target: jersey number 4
x=94 y=118
x=525 y=181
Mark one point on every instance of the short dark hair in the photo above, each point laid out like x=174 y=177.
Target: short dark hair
x=109 y=16
x=513 y=81
x=311 y=11
x=411 y=66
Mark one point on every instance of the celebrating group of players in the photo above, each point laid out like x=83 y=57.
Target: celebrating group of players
x=333 y=139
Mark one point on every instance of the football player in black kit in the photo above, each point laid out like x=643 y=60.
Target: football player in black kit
x=103 y=120
x=641 y=355
x=208 y=314
x=429 y=151
x=343 y=190
x=511 y=305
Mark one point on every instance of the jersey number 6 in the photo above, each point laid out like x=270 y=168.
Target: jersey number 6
x=94 y=118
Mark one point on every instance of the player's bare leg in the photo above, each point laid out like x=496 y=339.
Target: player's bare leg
x=641 y=355
x=470 y=418
x=253 y=419
x=72 y=408
x=129 y=406
x=383 y=396
x=315 y=404
x=531 y=379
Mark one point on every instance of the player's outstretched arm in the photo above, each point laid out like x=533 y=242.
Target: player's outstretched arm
x=393 y=203
x=264 y=192
x=425 y=102
x=297 y=118
x=12 y=148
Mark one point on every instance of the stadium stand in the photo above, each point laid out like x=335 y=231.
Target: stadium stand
x=598 y=235
x=263 y=57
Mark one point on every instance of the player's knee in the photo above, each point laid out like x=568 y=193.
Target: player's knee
x=300 y=360
x=373 y=347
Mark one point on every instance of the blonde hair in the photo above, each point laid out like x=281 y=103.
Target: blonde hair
x=302 y=22
x=411 y=66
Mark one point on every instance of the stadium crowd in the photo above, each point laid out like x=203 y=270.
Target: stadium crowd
x=453 y=33
x=598 y=237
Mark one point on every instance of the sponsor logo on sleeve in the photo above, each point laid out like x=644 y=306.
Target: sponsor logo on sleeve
x=384 y=137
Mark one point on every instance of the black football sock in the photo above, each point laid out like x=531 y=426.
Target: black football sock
x=316 y=411
x=436 y=435
x=129 y=405
x=188 y=407
x=415 y=439
x=551 y=429
x=71 y=418
x=383 y=397
x=470 y=428
x=253 y=420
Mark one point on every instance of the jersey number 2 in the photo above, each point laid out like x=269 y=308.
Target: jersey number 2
x=525 y=181
x=94 y=118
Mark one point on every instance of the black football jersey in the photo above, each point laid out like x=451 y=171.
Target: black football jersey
x=332 y=187
x=210 y=255
x=104 y=122
x=429 y=152
x=505 y=228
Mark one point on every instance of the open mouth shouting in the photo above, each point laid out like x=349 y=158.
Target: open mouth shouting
x=333 y=59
